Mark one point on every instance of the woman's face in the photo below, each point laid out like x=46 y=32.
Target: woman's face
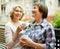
x=35 y=12
x=17 y=14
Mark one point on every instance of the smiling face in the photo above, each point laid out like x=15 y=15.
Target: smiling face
x=17 y=13
x=39 y=11
x=36 y=13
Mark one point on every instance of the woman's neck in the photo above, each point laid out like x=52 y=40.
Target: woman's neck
x=38 y=20
x=15 y=22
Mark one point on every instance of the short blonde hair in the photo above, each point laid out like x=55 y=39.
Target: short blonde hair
x=13 y=9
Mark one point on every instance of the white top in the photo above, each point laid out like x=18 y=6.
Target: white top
x=9 y=31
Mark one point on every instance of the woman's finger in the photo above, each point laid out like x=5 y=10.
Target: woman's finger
x=22 y=43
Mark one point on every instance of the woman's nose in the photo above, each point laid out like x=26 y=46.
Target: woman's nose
x=33 y=11
x=19 y=12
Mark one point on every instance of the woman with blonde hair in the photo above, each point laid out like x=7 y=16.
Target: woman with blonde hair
x=13 y=28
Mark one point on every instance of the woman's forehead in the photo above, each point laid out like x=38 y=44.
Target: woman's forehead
x=17 y=8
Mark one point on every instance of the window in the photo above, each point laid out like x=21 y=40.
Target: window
x=3 y=8
x=59 y=3
x=41 y=1
x=2 y=1
x=35 y=1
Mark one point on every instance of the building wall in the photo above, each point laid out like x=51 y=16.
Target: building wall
x=51 y=4
x=26 y=4
x=0 y=7
x=58 y=7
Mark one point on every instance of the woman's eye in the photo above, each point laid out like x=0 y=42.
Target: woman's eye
x=21 y=11
x=34 y=7
x=18 y=11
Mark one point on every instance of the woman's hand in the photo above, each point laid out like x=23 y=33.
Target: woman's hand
x=17 y=33
x=26 y=41
x=19 y=28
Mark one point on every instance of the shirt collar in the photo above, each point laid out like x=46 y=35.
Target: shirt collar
x=42 y=23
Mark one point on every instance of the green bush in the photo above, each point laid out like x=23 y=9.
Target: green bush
x=56 y=21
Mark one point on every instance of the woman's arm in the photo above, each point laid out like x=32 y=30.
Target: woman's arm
x=26 y=41
x=10 y=38
x=17 y=33
x=50 y=38
x=49 y=41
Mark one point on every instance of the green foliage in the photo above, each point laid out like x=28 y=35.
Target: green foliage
x=31 y=20
x=56 y=21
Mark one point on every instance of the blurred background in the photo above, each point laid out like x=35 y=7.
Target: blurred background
x=6 y=5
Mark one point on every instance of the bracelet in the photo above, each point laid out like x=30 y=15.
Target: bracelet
x=35 y=46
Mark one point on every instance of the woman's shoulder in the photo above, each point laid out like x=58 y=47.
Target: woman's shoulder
x=49 y=25
x=8 y=24
x=46 y=23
